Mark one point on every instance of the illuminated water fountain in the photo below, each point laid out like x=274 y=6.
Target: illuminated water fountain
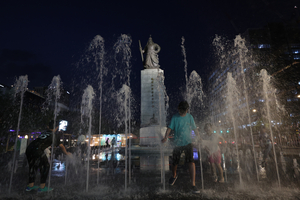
x=21 y=87
x=153 y=157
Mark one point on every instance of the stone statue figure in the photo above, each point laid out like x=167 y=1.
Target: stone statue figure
x=151 y=58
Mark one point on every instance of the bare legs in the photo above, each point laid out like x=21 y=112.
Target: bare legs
x=42 y=185
x=213 y=165
x=174 y=169
x=192 y=170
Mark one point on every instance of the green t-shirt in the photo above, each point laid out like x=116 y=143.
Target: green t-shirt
x=182 y=127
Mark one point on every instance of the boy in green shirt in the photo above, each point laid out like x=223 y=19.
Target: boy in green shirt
x=182 y=124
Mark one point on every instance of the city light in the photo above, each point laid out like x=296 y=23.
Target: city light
x=26 y=136
x=254 y=110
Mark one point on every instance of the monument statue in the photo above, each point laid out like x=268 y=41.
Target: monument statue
x=151 y=51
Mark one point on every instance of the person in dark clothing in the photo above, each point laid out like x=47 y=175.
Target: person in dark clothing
x=113 y=143
x=107 y=142
x=37 y=158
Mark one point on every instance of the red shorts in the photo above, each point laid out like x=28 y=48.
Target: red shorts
x=215 y=157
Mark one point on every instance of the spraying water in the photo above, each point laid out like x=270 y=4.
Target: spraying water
x=194 y=96
x=185 y=62
x=193 y=83
x=20 y=87
x=163 y=106
x=194 y=93
x=53 y=92
x=124 y=110
x=97 y=51
x=232 y=99
x=86 y=114
x=223 y=54
x=266 y=91
x=122 y=48
x=242 y=50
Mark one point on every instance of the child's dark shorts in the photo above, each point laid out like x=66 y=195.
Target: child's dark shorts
x=188 y=150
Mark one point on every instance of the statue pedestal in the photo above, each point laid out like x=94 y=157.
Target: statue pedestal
x=153 y=112
x=152 y=98
x=152 y=135
x=153 y=162
x=150 y=157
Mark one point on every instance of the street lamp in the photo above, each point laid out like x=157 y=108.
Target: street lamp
x=298 y=96
x=254 y=110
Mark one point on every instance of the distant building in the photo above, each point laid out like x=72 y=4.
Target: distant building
x=34 y=105
x=276 y=48
x=63 y=101
x=4 y=88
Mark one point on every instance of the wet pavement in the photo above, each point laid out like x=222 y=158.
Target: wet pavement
x=69 y=182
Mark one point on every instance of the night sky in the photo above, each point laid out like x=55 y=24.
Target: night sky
x=47 y=38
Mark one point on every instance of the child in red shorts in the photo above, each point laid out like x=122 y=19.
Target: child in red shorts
x=210 y=142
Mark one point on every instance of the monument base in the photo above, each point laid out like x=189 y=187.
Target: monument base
x=153 y=162
x=152 y=135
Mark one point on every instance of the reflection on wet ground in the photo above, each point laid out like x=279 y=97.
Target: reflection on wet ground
x=69 y=182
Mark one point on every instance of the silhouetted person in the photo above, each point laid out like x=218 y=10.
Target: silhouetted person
x=107 y=142
x=113 y=142
x=38 y=160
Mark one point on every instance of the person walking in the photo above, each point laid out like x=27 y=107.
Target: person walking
x=113 y=142
x=37 y=159
x=182 y=124
x=107 y=143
